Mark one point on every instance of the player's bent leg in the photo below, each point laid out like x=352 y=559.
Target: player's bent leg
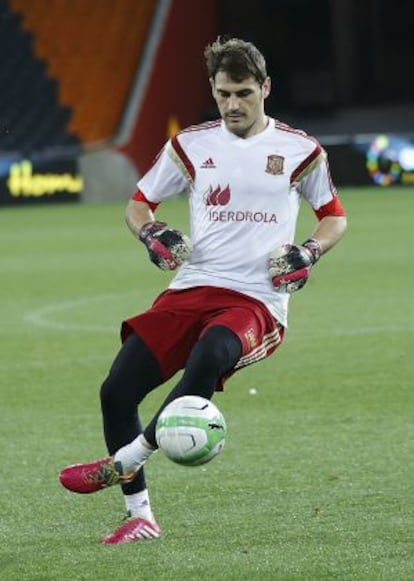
x=133 y=374
x=214 y=354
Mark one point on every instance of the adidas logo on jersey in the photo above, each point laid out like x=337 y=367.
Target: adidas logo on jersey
x=208 y=164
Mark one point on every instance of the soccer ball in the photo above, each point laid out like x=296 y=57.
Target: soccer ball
x=191 y=430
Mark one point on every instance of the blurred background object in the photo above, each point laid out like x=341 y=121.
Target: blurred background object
x=91 y=89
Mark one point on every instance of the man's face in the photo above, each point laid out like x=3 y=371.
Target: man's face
x=241 y=105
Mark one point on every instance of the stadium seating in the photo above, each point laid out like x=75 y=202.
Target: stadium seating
x=32 y=118
x=66 y=69
x=92 y=50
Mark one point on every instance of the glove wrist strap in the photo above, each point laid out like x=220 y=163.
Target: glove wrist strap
x=150 y=228
x=314 y=248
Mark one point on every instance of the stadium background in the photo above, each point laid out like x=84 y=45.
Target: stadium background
x=91 y=90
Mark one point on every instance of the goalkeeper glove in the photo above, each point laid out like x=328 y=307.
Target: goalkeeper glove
x=290 y=265
x=167 y=248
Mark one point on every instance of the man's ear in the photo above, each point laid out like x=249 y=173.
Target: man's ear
x=212 y=85
x=266 y=87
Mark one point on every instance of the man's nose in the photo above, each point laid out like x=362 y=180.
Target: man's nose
x=233 y=103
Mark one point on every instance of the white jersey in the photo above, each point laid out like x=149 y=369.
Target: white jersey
x=244 y=197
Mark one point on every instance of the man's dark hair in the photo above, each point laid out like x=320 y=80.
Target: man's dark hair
x=236 y=57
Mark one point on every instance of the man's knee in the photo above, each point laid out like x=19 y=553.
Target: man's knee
x=219 y=348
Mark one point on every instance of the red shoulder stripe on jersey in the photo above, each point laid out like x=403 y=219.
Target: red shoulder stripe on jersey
x=183 y=157
x=289 y=129
x=302 y=166
x=140 y=197
x=202 y=126
x=331 y=184
x=332 y=208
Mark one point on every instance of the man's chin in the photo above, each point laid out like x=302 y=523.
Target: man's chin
x=236 y=126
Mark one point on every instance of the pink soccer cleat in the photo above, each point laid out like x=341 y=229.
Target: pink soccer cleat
x=132 y=530
x=94 y=476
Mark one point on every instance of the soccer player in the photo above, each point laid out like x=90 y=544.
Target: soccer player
x=245 y=175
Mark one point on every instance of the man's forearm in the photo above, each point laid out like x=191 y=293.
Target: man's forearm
x=137 y=214
x=329 y=231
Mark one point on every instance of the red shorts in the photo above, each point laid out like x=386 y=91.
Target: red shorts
x=178 y=318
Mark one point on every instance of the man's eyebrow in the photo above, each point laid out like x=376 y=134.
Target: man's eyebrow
x=239 y=92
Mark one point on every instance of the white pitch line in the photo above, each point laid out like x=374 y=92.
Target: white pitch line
x=46 y=316
x=55 y=363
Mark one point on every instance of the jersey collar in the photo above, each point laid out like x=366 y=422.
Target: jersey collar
x=246 y=142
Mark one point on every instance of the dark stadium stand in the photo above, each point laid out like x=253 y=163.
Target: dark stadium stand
x=66 y=69
x=32 y=119
x=92 y=50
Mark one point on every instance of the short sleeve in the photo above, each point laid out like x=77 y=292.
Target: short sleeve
x=317 y=186
x=164 y=179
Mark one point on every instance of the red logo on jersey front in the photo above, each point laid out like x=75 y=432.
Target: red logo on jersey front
x=217 y=196
x=275 y=165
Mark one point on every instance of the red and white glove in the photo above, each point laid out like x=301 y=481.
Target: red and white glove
x=167 y=248
x=290 y=265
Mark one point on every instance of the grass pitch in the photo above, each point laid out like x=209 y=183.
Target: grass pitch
x=316 y=481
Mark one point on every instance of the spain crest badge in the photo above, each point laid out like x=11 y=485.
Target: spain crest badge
x=275 y=165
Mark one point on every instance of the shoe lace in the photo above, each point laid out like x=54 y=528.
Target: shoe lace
x=106 y=475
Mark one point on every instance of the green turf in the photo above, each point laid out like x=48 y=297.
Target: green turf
x=317 y=479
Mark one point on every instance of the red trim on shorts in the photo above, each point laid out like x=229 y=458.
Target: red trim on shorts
x=332 y=208
x=139 y=196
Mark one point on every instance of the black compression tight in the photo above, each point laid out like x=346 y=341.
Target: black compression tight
x=135 y=373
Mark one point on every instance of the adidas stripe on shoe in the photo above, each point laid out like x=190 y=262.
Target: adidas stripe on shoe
x=132 y=530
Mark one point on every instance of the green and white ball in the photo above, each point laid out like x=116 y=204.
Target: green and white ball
x=191 y=430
